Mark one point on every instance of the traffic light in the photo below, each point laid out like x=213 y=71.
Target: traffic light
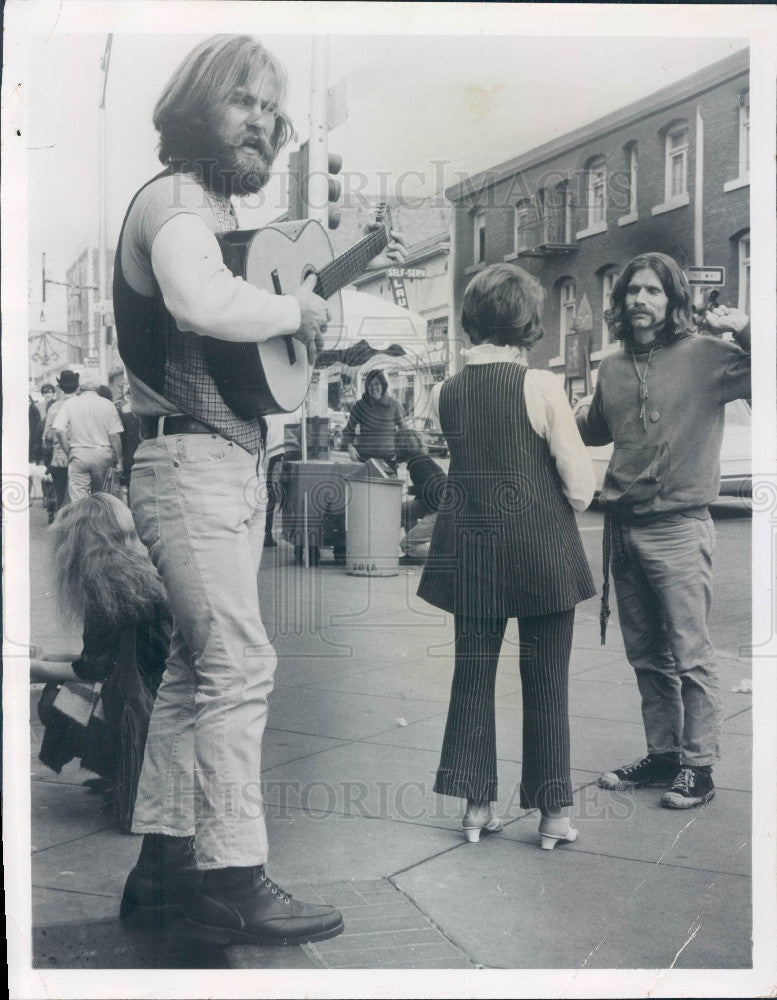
x=299 y=187
x=298 y=183
x=335 y=165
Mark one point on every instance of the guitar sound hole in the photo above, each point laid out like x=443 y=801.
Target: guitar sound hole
x=307 y=270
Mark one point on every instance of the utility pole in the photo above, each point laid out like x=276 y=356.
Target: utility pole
x=318 y=183
x=102 y=250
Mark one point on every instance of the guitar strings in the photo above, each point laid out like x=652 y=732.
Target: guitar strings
x=352 y=262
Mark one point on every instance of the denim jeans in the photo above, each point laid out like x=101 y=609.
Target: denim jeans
x=663 y=582
x=87 y=468
x=199 y=512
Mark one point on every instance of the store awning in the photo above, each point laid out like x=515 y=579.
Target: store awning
x=372 y=326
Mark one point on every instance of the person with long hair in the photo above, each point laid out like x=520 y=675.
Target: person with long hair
x=661 y=401
x=373 y=422
x=182 y=318
x=506 y=545
x=105 y=580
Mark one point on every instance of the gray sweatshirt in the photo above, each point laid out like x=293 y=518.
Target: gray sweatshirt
x=669 y=463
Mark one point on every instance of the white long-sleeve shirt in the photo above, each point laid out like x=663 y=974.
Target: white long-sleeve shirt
x=550 y=415
x=203 y=295
x=169 y=246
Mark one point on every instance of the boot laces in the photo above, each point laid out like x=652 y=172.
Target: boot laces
x=683 y=781
x=274 y=888
x=638 y=766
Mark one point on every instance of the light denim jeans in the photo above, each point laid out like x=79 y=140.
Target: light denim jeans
x=87 y=469
x=199 y=512
x=663 y=582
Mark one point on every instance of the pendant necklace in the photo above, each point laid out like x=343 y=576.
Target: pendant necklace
x=643 y=389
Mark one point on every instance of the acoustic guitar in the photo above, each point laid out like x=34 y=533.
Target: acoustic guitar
x=273 y=376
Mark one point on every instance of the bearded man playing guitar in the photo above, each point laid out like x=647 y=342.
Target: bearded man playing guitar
x=182 y=318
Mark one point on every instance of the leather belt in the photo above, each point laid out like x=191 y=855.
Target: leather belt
x=151 y=427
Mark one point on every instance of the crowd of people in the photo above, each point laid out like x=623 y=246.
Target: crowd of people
x=81 y=433
x=505 y=543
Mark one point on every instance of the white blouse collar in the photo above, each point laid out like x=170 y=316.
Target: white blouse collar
x=489 y=354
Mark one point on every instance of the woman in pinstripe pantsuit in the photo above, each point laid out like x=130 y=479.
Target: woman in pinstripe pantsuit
x=506 y=545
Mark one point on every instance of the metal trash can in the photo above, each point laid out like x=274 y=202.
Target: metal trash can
x=373 y=520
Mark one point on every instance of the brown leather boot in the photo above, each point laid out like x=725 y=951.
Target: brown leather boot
x=163 y=881
x=244 y=906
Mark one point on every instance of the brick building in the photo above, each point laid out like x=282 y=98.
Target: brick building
x=668 y=173
x=84 y=319
x=422 y=284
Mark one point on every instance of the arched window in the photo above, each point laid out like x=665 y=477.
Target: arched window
x=630 y=157
x=676 y=161
x=743 y=258
x=744 y=133
x=521 y=232
x=479 y=236
x=567 y=307
x=563 y=202
x=607 y=276
x=597 y=191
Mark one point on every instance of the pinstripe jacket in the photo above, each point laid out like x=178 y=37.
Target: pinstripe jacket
x=505 y=543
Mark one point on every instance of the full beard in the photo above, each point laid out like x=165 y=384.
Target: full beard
x=232 y=169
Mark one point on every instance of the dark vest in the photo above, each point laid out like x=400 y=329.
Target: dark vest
x=505 y=543
x=178 y=365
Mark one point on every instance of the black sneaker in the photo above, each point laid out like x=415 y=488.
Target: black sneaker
x=160 y=886
x=244 y=906
x=692 y=787
x=657 y=770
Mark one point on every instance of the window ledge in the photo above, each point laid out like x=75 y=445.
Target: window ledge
x=679 y=201
x=595 y=229
x=474 y=268
x=739 y=182
x=626 y=220
x=556 y=362
x=511 y=256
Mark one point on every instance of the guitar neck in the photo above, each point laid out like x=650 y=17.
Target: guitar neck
x=345 y=269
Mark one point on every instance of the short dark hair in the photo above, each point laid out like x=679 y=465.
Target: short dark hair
x=206 y=76
x=47 y=387
x=502 y=306
x=105 y=392
x=679 y=314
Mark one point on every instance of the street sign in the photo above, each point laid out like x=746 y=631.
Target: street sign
x=398 y=290
x=706 y=275
x=575 y=355
x=406 y=272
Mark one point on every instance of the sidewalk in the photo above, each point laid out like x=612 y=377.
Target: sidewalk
x=356 y=723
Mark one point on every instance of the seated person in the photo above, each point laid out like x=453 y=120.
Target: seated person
x=377 y=415
x=96 y=706
x=426 y=476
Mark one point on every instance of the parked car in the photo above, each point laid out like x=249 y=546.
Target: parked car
x=735 y=468
x=337 y=421
x=431 y=436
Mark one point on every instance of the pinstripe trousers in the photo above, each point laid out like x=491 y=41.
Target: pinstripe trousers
x=468 y=761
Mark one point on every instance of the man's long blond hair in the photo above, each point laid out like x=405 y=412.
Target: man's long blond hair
x=207 y=75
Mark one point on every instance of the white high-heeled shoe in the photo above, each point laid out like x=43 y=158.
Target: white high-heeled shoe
x=475 y=823
x=556 y=830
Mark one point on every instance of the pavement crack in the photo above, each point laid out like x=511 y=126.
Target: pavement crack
x=435 y=925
